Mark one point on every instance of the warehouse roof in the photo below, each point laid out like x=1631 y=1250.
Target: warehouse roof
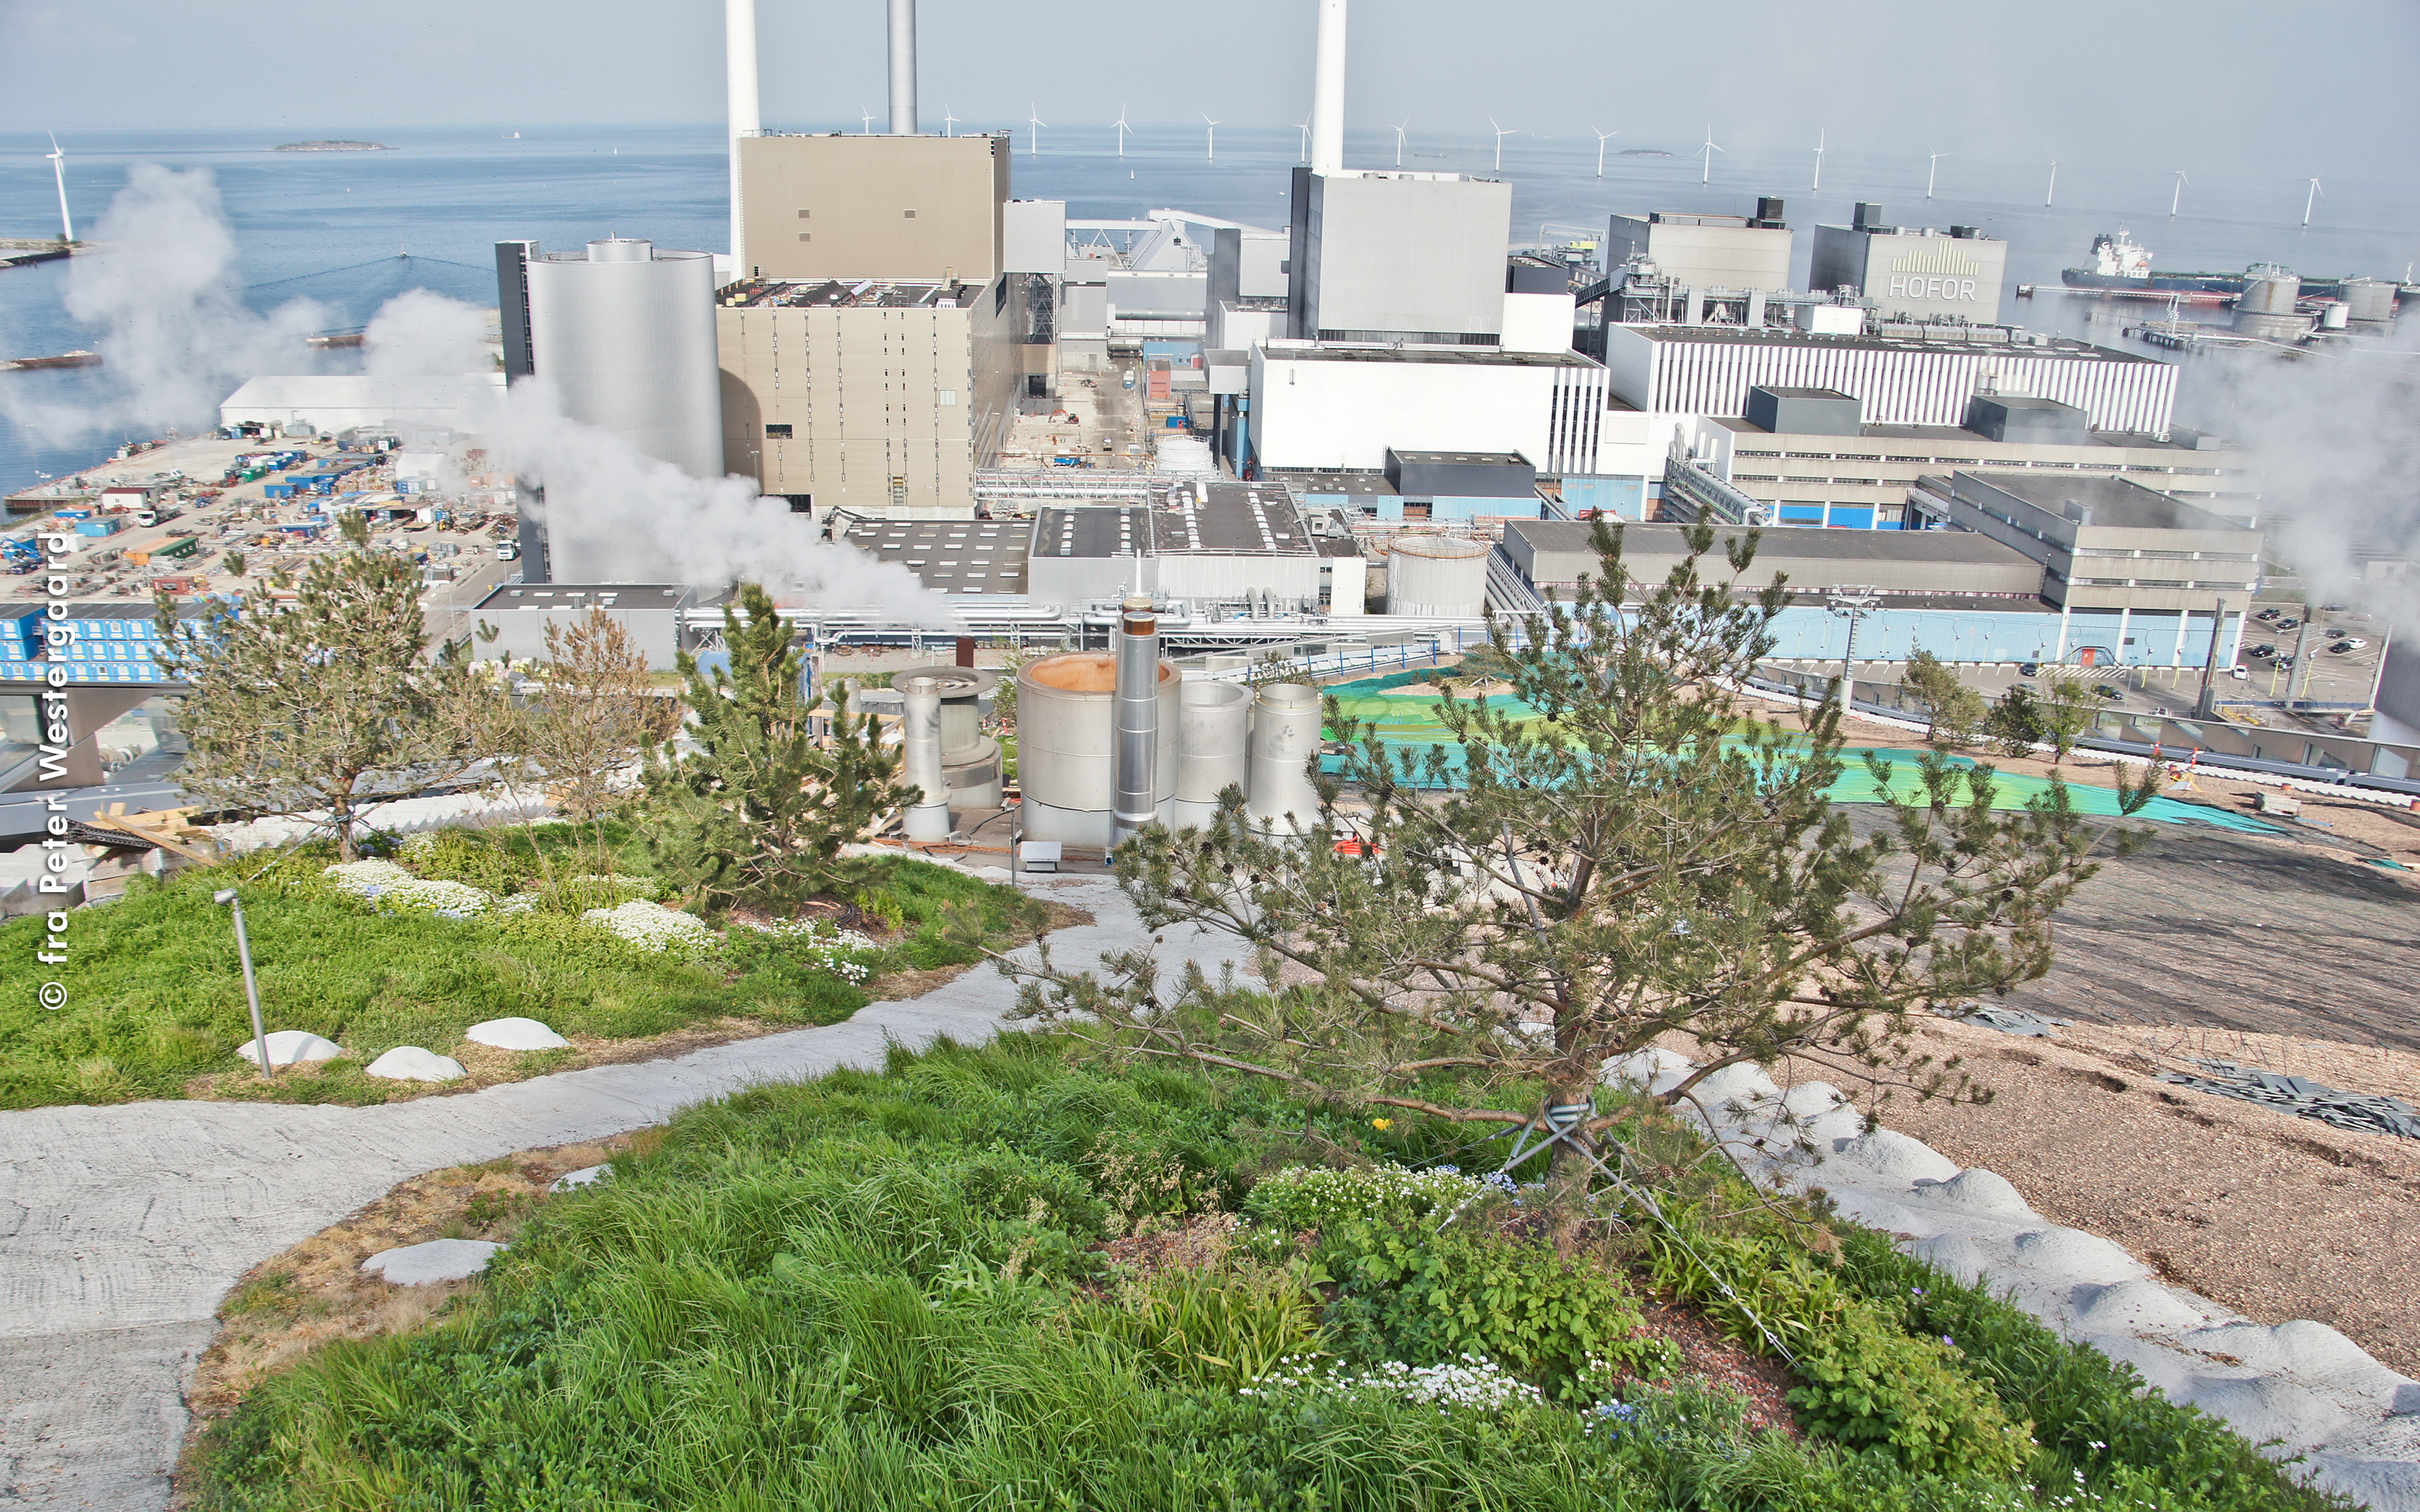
x=1981 y=338
x=950 y=556
x=2119 y=503
x=1778 y=542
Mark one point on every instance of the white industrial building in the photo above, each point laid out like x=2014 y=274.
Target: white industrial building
x=1911 y=272
x=1326 y=407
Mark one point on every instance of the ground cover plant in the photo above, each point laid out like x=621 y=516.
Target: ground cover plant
x=999 y=1279
x=452 y=929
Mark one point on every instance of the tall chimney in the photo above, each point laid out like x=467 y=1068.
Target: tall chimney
x=740 y=48
x=903 y=67
x=1328 y=91
x=1134 y=759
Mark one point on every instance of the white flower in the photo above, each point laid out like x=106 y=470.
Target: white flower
x=830 y=952
x=391 y=887
x=653 y=927
x=1472 y=1381
x=1313 y=1196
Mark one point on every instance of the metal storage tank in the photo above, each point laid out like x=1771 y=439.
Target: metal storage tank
x=2269 y=290
x=1437 y=575
x=624 y=332
x=1065 y=737
x=2371 y=298
x=1213 y=748
x=970 y=766
x=1285 y=736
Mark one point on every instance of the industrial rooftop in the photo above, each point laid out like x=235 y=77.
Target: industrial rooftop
x=2119 y=503
x=835 y=294
x=950 y=556
x=1782 y=540
x=1994 y=337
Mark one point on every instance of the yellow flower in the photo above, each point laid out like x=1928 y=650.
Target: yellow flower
x=1382 y=1123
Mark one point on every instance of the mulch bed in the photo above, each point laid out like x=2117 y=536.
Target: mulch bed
x=1763 y=1384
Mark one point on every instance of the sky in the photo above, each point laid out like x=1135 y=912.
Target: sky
x=2250 y=90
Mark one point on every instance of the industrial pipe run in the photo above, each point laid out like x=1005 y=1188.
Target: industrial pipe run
x=929 y=820
x=903 y=67
x=1134 y=756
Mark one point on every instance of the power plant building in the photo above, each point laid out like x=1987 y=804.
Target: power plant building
x=624 y=334
x=1706 y=252
x=873 y=396
x=923 y=209
x=1395 y=256
x=1334 y=407
x=1910 y=272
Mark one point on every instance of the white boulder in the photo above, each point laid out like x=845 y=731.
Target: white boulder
x=1888 y=1153
x=410 y=1063
x=1978 y=1189
x=585 y=1176
x=440 y=1259
x=290 y=1047
x=515 y=1034
x=2071 y=1253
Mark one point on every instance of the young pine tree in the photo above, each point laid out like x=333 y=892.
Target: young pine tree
x=758 y=813
x=1618 y=852
x=330 y=706
x=596 y=716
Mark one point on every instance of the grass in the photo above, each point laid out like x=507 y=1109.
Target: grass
x=898 y=1290
x=156 y=992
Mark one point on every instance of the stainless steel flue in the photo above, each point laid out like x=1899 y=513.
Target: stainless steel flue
x=1136 y=755
x=903 y=67
x=929 y=820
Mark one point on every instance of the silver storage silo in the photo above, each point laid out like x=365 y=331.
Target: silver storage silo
x=1213 y=748
x=1064 y=742
x=970 y=766
x=2371 y=298
x=624 y=334
x=2266 y=307
x=1437 y=575
x=929 y=818
x=1285 y=737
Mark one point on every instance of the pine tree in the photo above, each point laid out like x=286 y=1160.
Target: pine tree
x=1957 y=710
x=332 y=703
x=596 y=716
x=1618 y=853
x=758 y=813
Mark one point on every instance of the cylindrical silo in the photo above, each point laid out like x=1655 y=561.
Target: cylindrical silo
x=2269 y=290
x=1285 y=739
x=2370 y=298
x=2333 y=314
x=1437 y=575
x=929 y=819
x=624 y=336
x=1213 y=748
x=1066 y=740
x=971 y=765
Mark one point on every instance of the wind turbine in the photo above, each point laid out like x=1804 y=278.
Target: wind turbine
x=867 y=118
x=1122 y=129
x=1931 y=171
x=1819 y=159
x=2309 y=201
x=1706 y=175
x=2052 y=191
x=949 y=122
x=1212 y=130
x=1304 y=127
x=1034 y=125
x=1399 y=141
x=1602 y=138
x=59 y=168
x=2178 y=197
x=1500 y=135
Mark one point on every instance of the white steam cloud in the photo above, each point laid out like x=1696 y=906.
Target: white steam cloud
x=175 y=335
x=2335 y=438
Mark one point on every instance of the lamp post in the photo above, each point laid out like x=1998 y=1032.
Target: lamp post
x=226 y=896
x=1851 y=604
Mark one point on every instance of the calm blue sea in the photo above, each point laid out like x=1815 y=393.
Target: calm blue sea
x=351 y=230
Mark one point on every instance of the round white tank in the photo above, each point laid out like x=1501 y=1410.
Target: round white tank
x=2270 y=291
x=2333 y=314
x=1437 y=575
x=1065 y=735
x=1213 y=748
x=2371 y=298
x=1285 y=737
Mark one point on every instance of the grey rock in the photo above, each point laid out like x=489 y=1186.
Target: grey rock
x=440 y=1259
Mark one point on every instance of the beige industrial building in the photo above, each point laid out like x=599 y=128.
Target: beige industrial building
x=2104 y=543
x=878 y=398
x=861 y=207
x=1706 y=252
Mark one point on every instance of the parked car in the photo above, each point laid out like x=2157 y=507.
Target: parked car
x=2350 y=644
x=2027 y=669
x=2287 y=624
x=2332 y=609
x=2269 y=614
x=2103 y=690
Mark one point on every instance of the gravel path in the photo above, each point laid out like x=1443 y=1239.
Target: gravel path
x=122 y=1228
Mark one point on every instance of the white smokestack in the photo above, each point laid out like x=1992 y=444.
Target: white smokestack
x=1328 y=91
x=739 y=46
x=903 y=67
x=1134 y=762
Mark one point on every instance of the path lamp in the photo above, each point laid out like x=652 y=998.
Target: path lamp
x=225 y=897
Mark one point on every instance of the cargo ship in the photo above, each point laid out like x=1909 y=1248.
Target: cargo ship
x=2121 y=265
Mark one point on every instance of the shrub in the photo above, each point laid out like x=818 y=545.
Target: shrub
x=1312 y=1196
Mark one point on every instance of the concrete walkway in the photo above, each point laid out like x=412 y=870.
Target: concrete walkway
x=121 y=1229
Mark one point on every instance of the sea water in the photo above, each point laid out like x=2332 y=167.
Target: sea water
x=348 y=230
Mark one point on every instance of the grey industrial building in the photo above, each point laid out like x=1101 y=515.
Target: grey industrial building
x=1910 y=272
x=2104 y=543
x=1397 y=257
x=1805 y=457
x=1929 y=566
x=1207 y=543
x=960 y=558
x=649 y=612
x=1706 y=252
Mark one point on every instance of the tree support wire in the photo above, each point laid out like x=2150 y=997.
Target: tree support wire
x=1559 y=1125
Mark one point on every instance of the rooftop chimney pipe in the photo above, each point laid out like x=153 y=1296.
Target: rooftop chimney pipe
x=1134 y=760
x=1328 y=91
x=740 y=57
x=903 y=67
